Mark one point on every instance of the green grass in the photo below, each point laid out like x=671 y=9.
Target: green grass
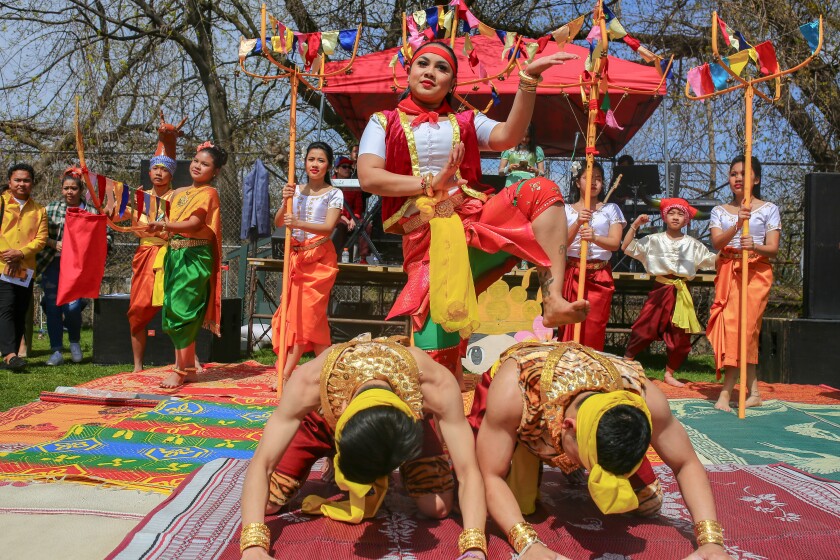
x=20 y=388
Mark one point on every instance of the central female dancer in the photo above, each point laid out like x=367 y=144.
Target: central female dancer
x=316 y=207
x=423 y=159
x=192 y=266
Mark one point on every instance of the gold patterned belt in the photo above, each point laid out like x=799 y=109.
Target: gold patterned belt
x=307 y=246
x=443 y=209
x=184 y=243
x=736 y=255
x=590 y=264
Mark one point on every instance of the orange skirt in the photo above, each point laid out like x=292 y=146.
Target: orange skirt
x=312 y=274
x=140 y=308
x=722 y=330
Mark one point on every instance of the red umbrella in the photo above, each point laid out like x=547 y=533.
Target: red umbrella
x=558 y=114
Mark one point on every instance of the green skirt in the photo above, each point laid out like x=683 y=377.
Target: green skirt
x=186 y=281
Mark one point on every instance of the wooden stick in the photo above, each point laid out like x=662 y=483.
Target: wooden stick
x=287 y=244
x=612 y=190
x=745 y=258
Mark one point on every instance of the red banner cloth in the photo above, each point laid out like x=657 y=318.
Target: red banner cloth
x=83 y=253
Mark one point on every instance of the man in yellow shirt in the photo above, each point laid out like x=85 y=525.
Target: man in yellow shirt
x=23 y=232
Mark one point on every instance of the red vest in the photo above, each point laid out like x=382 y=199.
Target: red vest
x=398 y=157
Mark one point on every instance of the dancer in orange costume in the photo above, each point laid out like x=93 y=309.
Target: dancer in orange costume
x=601 y=225
x=763 y=243
x=672 y=257
x=147 y=265
x=313 y=264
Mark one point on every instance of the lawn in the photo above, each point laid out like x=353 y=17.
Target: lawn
x=20 y=388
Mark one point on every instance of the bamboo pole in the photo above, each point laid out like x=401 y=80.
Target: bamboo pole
x=287 y=244
x=745 y=259
x=594 y=90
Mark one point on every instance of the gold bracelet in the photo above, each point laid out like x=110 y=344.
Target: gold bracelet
x=521 y=535
x=261 y=527
x=528 y=82
x=472 y=539
x=708 y=531
x=260 y=541
x=426 y=185
x=255 y=534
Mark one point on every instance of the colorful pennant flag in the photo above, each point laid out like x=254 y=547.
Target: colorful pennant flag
x=700 y=80
x=728 y=35
x=767 y=61
x=329 y=41
x=811 y=32
x=568 y=32
x=719 y=76
x=738 y=61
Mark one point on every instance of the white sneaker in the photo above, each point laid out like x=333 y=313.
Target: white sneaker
x=56 y=359
x=76 y=352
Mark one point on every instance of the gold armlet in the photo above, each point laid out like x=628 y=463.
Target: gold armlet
x=522 y=535
x=708 y=531
x=255 y=534
x=472 y=539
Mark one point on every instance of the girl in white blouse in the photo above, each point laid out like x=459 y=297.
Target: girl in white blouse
x=601 y=225
x=313 y=263
x=726 y=227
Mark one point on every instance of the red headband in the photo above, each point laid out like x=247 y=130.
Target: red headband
x=439 y=50
x=668 y=203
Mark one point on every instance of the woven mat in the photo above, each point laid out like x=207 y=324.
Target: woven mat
x=771 y=511
x=811 y=394
x=39 y=422
x=803 y=435
x=248 y=378
x=153 y=450
x=81 y=522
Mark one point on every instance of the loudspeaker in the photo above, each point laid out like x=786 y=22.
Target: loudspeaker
x=112 y=335
x=182 y=176
x=822 y=246
x=799 y=351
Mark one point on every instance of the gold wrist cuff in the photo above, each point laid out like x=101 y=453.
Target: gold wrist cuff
x=708 y=531
x=255 y=534
x=472 y=539
x=521 y=535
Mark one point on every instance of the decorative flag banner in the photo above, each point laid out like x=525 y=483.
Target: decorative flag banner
x=611 y=122
x=308 y=45
x=742 y=43
x=738 y=61
x=700 y=80
x=767 y=61
x=594 y=34
x=419 y=17
x=432 y=18
x=329 y=41
x=568 y=32
x=246 y=47
x=719 y=76
x=811 y=32
x=486 y=30
x=729 y=35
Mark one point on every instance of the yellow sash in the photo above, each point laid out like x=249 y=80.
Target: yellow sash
x=684 y=316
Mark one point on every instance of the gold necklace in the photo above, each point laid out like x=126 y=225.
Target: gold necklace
x=184 y=199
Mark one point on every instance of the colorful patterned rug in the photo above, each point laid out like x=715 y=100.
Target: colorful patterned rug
x=811 y=394
x=245 y=379
x=771 y=511
x=38 y=422
x=806 y=436
x=153 y=450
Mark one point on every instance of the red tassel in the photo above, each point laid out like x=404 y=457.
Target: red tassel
x=593 y=150
x=593 y=104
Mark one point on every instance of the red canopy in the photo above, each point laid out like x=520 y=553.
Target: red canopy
x=369 y=88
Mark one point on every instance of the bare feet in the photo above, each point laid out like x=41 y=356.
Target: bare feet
x=557 y=311
x=672 y=381
x=753 y=400
x=723 y=402
x=178 y=377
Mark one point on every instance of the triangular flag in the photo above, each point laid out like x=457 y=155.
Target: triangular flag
x=719 y=76
x=738 y=61
x=728 y=35
x=486 y=30
x=246 y=46
x=510 y=39
x=767 y=61
x=432 y=18
x=610 y=120
x=646 y=55
x=615 y=29
x=631 y=42
x=329 y=41
x=594 y=34
x=706 y=78
x=140 y=199
x=742 y=43
x=419 y=17
x=695 y=81
x=471 y=20
x=568 y=32
x=531 y=49
x=281 y=33
x=447 y=23
x=811 y=32
x=347 y=38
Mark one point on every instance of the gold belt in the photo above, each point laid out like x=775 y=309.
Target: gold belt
x=184 y=243
x=156 y=241
x=307 y=246
x=736 y=255
x=590 y=265
x=443 y=209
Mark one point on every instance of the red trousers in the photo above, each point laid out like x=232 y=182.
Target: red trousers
x=654 y=323
x=598 y=290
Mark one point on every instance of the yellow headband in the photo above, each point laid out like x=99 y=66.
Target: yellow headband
x=360 y=506
x=611 y=493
